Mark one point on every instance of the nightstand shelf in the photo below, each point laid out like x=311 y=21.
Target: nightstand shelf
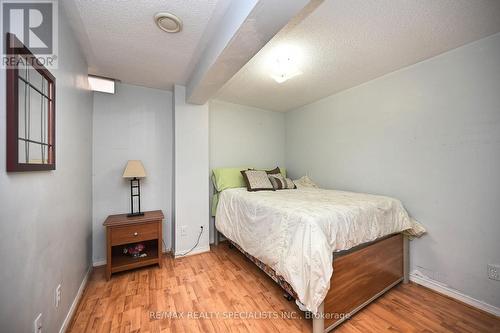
x=122 y=262
x=123 y=231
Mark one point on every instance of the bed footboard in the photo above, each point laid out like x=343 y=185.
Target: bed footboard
x=360 y=276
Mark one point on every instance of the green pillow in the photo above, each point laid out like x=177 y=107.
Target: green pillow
x=224 y=178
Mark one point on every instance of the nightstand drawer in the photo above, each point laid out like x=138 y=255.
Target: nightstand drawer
x=133 y=233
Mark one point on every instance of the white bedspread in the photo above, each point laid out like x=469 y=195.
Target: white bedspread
x=295 y=232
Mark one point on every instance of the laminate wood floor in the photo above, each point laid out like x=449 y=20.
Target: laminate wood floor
x=221 y=291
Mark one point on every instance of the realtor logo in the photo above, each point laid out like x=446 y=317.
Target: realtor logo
x=35 y=24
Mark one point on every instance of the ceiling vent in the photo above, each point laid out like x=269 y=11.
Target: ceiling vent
x=168 y=22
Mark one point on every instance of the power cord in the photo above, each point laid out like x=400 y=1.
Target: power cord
x=197 y=242
x=164 y=245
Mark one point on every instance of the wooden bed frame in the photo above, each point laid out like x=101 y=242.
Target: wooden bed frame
x=360 y=275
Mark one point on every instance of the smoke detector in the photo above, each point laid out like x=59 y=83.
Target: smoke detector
x=168 y=22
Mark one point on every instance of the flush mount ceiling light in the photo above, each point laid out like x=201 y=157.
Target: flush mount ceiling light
x=168 y=22
x=283 y=64
x=285 y=69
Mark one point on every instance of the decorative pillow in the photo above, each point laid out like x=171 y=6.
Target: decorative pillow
x=273 y=171
x=305 y=181
x=281 y=183
x=277 y=180
x=257 y=180
x=289 y=184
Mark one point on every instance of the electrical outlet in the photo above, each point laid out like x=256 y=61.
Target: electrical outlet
x=183 y=231
x=37 y=324
x=58 y=295
x=494 y=272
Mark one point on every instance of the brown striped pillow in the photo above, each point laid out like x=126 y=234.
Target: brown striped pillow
x=281 y=183
x=277 y=180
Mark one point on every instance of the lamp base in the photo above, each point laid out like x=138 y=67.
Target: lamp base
x=135 y=214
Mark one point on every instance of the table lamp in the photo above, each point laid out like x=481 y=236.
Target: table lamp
x=134 y=171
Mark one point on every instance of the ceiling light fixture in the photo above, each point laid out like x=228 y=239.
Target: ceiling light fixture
x=102 y=84
x=284 y=64
x=168 y=22
x=284 y=70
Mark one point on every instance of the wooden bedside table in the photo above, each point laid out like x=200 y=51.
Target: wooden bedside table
x=122 y=230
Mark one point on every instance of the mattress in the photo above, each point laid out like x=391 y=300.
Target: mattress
x=295 y=232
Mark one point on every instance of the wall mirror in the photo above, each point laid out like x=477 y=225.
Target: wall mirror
x=30 y=111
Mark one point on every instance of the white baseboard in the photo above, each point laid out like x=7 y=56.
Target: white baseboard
x=99 y=263
x=445 y=290
x=195 y=251
x=73 y=306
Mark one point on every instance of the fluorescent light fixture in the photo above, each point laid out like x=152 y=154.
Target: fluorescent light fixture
x=102 y=84
x=283 y=64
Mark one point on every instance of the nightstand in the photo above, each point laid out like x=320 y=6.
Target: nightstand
x=122 y=231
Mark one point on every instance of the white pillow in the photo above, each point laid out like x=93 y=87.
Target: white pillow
x=305 y=182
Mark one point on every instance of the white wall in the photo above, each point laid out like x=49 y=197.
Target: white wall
x=46 y=216
x=244 y=136
x=429 y=135
x=191 y=173
x=133 y=124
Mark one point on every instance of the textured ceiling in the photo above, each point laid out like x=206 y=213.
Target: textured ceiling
x=344 y=43
x=122 y=41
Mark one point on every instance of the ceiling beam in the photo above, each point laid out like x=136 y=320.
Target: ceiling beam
x=245 y=28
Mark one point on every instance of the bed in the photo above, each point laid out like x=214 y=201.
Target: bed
x=333 y=251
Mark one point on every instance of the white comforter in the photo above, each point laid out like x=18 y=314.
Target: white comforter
x=295 y=232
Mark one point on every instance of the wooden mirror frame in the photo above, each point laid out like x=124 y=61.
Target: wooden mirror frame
x=12 y=78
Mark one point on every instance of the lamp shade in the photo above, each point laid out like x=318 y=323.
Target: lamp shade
x=134 y=169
